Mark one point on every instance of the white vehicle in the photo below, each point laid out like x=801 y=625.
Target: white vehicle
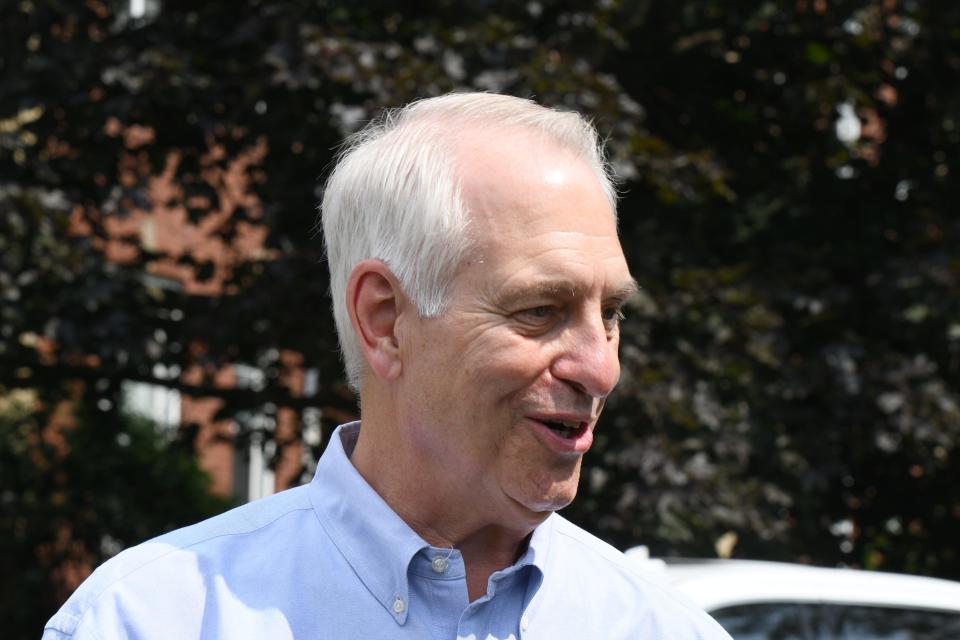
x=756 y=600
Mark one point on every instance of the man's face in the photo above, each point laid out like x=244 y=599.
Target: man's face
x=502 y=392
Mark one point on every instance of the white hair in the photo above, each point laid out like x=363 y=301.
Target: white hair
x=395 y=196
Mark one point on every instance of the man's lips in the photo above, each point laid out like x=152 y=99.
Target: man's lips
x=563 y=433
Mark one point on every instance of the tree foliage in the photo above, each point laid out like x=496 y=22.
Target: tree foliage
x=790 y=369
x=76 y=495
x=797 y=347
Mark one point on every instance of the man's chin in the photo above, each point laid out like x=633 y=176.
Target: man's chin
x=548 y=502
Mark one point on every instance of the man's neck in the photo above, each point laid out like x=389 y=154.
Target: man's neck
x=434 y=509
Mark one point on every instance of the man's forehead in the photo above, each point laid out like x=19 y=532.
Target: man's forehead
x=475 y=144
x=522 y=171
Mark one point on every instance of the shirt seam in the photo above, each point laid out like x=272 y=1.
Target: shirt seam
x=76 y=624
x=590 y=547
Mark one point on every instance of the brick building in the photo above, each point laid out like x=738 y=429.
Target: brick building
x=259 y=467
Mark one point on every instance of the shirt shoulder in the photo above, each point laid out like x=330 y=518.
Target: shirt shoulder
x=590 y=544
x=175 y=565
x=583 y=548
x=617 y=589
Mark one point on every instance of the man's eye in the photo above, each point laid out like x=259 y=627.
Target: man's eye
x=537 y=315
x=613 y=316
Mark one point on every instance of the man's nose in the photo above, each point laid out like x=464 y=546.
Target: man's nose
x=589 y=360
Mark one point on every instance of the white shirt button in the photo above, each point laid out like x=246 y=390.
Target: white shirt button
x=439 y=564
x=398 y=605
x=524 y=623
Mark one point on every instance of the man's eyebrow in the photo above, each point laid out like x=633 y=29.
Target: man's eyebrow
x=542 y=289
x=624 y=291
x=563 y=288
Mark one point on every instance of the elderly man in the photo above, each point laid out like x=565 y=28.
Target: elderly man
x=477 y=284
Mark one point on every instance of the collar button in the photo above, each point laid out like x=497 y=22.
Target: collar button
x=439 y=564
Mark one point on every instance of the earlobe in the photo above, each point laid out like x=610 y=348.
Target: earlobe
x=374 y=299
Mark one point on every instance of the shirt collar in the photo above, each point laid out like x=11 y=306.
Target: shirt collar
x=376 y=542
x=537 y=555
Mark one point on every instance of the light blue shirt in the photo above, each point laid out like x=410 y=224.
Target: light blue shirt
x=332 y=560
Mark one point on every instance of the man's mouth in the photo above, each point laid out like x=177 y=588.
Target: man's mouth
x=564 y=428
x=563 y=436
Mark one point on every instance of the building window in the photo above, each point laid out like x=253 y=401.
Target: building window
x=143 y=10
x=254 y=477
x=157 y=403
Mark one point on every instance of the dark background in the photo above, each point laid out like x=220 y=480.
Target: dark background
x=791 y=368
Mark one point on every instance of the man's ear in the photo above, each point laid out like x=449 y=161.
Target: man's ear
x=374 y=301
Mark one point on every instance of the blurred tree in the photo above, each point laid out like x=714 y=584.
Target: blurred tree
x=797 y=347
x=78 y=485
x=790 y=369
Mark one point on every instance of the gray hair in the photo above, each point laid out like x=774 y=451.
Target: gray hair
x=395 y=196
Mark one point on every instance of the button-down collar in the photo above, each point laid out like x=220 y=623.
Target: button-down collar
x=376 y=542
